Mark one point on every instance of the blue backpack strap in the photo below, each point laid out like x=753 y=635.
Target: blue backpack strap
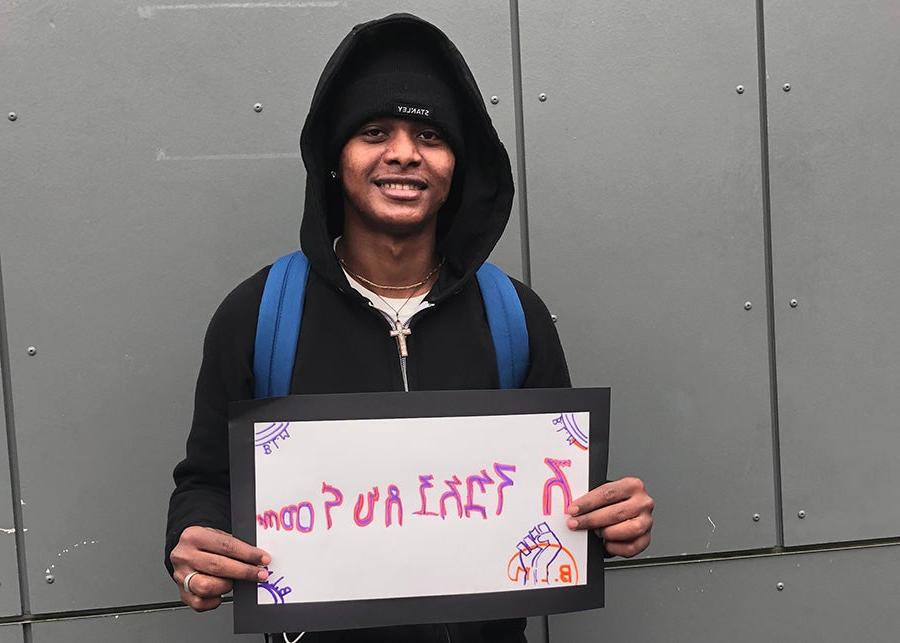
x=278 y=325
x=506 y=319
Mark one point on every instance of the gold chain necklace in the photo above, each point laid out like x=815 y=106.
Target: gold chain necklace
x=400 y=332
x=367 y=282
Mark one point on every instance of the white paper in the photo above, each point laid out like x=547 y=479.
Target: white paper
x=526 y=546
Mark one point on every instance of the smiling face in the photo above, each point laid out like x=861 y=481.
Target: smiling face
x=396 y=174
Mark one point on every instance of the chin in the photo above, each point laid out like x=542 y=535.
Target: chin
x=401 y=224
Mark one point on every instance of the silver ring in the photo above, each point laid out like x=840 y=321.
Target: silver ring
x=186 y=583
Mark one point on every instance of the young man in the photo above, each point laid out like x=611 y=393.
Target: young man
x=408 y=190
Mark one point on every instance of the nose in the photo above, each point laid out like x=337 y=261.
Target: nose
x=402 y=149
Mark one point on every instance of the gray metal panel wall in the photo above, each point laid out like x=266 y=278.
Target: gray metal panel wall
x=835 y=163
x=11 y=634
x=536 y=629
x=739 y=601
x=172 y=626
x=646 y=234
x=9 y=582
x=139 y=186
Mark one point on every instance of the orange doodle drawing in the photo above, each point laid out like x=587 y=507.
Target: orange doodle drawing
x=542 y=559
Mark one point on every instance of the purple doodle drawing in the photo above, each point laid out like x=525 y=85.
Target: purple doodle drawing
x=268 y=436
x=537 y=551
x=574 y=435
x=273 y=588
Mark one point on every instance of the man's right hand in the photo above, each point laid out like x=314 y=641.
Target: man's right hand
x=218 y=558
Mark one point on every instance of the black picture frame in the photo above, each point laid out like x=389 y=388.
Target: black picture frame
x=249 y=617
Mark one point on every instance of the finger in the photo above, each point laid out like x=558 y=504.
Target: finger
x=206 y=586
x=607 y=516
x=216 y=565
x=199 y=603
x=605 y=495
x=219 y=542
x=628 y=530
x=628 y=549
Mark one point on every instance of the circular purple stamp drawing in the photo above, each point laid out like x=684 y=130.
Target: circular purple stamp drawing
x=574 y=435
x=272 y=591
x=268 y=436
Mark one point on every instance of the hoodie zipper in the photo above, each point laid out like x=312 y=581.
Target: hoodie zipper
x=403 y=359
x=403 y=371
x=391 y=327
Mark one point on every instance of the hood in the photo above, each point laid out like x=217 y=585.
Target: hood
x=480 y=205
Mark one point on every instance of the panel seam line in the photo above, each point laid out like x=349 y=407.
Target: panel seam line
x=770 y=287
x=518 y=99
x=12 y=450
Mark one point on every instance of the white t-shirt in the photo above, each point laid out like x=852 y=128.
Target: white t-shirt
x=392 y=308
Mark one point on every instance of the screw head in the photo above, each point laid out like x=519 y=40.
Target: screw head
x=786 y=87
x=794 y=303
x=495 y=100
x=49 y=578
x=554 y=318
x=801 y=514
x=755 y=517
x=779 y=586
x=542 y=97
x=257 y=108
x=739 y=89
x=31 y=350
x=12 y=116
x=748 y=305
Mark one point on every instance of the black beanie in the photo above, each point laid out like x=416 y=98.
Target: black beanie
x=401 y=80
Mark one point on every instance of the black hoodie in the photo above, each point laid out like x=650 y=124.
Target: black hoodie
x=344 y=345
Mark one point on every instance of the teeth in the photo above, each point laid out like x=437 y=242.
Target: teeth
x=400 y=186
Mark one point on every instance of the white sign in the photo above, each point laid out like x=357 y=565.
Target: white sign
x=387 y=508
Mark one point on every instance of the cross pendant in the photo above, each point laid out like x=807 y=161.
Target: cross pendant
x=400 y=334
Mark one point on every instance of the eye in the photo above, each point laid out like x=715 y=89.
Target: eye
x=430 y=136
x=372 y=132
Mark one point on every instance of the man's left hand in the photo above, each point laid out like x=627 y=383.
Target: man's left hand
x=620 y=512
